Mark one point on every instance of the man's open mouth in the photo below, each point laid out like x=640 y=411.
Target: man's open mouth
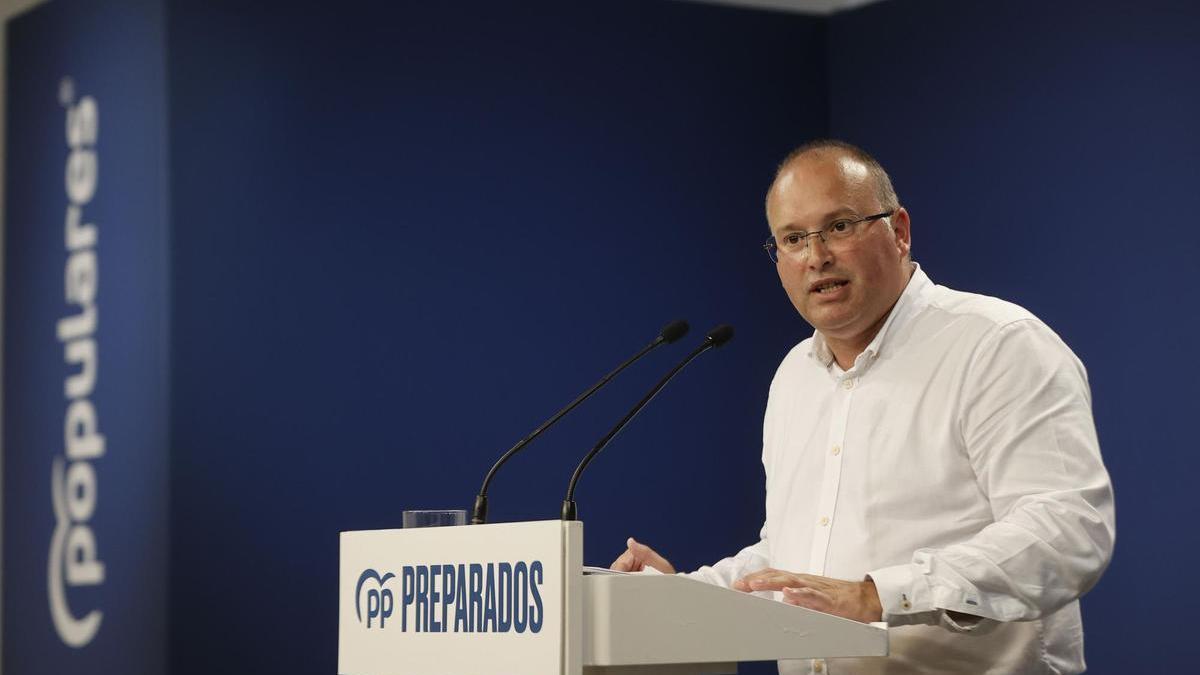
x=827 y=286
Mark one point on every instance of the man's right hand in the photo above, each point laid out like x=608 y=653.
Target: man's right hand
x=638 y=557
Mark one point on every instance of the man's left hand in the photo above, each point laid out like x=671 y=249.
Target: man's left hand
x=856 y=600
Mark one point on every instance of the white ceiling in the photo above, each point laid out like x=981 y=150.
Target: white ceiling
x=824 y=7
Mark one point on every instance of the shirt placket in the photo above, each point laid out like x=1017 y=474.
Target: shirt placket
x=832 y=476
x=830 y=482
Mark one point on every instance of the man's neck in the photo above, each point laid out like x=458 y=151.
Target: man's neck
x=846 y=350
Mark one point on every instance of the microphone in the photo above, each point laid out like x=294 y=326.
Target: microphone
x=715 y=338
x=670 y=333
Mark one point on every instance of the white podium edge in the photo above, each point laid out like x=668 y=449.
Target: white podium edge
x=572 y=651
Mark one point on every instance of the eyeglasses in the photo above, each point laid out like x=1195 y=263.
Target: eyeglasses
x=795 y=244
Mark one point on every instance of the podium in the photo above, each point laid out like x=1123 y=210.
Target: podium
x=514 y=599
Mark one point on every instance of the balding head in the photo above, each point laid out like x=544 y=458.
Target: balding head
x=850 y=156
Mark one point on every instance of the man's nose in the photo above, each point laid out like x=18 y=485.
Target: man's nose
x=819 y=254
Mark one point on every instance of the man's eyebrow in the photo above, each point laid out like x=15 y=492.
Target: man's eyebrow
x=840 y=213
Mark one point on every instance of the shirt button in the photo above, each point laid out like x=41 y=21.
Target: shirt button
x=906 y=604
x=848 y=383
x=818 y=667
x=837 y=450
x=824 y=521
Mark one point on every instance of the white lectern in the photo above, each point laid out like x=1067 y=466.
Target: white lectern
x=512 y=599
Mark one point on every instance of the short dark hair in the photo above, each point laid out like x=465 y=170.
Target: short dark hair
x=883 y=183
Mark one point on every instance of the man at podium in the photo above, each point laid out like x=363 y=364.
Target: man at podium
x=931 y=459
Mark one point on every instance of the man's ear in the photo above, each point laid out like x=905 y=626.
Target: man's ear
x=902 y=228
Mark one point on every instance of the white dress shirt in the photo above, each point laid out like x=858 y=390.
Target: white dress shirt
x=956 y=464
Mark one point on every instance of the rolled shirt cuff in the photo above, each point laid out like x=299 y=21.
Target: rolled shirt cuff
x=904 y=595
x=907 y=597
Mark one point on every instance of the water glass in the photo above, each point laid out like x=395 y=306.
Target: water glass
x=442 y=518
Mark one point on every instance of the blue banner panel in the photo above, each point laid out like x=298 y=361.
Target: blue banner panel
x=85 y=343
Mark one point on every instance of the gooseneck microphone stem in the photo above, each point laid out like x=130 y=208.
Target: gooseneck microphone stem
x=716 y=337
x=672 y=332
x=479 y=516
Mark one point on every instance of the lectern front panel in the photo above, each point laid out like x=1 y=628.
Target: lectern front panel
x=480 y=599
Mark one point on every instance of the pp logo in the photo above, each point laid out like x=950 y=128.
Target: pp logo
x=379 y=600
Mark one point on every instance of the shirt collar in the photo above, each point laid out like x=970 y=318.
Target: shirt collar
x=914 y=297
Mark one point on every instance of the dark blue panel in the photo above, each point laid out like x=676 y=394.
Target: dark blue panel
x=1043 y=149
x=112 y=52
x=406 y=234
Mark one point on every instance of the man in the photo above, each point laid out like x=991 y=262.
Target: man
x=930 y=455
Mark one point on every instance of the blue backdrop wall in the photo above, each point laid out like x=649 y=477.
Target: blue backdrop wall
x=403 y=238
x=403 y=235
x=1049 y=153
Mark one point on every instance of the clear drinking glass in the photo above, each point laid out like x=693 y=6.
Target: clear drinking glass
x=440 y=518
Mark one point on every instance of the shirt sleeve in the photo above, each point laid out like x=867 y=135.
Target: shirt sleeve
x=725 y=572
x=1027 y=429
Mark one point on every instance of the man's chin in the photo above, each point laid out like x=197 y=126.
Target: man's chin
x=832 y=319
x=833 y=325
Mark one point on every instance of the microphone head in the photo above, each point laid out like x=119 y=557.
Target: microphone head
x=673 y=331
x=720 y=335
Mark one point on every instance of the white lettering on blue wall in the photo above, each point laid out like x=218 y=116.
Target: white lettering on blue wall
x=73 y=559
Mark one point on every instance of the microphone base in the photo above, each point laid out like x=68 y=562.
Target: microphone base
x=568 y=510
x=479 y=512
